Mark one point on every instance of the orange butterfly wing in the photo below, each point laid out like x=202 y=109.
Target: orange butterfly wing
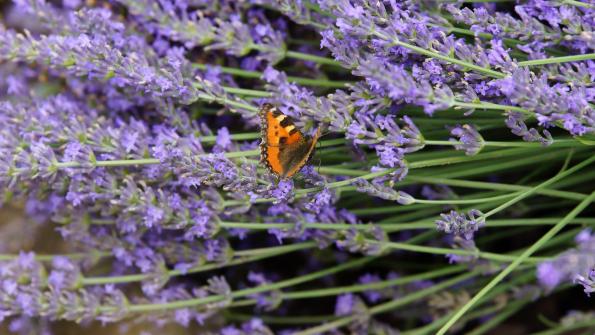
x=284 y=149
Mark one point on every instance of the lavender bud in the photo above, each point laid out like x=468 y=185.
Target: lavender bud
x=471 y=140
x=381 y=191
x=461 y=224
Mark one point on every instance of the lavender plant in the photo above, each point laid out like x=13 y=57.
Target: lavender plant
x=452 y=188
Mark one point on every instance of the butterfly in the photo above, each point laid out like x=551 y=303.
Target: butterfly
x=284 y=149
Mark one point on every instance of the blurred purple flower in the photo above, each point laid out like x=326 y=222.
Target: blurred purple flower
x=573 y=264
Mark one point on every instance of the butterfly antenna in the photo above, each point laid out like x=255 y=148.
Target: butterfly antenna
x=324 y=130
x=319 y=164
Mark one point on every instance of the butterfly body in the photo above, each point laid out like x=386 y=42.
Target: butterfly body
x=284 y=149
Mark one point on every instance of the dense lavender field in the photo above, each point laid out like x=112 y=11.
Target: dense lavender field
x=151 y=174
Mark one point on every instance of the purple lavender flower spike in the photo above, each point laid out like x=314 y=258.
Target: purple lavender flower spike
x=471 y=140
x=192 y=29
x=368 y=242
x=565 y=105
x=383 y=192
x=461 y=224
x=268 y=301
x=516 y=123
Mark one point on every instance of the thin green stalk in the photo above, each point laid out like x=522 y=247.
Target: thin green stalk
x=509 y=311
x=234 y=137
x=152 y=161
x=390 y=227
x=49 y=258
x=423 y=237
x=429 y=212
x=565 y=240
x=517 y=144
x=402 y=301
x=497 y=186
x=577 y=3
x=464 y=201
x=476 y=170
x=333 y=291
x=465 y=159
x=437 y=55
x=312 y=58
x=258 y=75
x=516 y=282
x=244 y=257
x=488 y=105
x=527 y=193
x=344 y=226
x=557 y=60
x=136 y=308
x=521 y=258
x=565 y=329
x=449 y=251
x=415 y=165
x=227 y=102
x=241 y=91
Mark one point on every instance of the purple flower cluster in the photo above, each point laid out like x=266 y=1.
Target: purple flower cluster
x=28 y=290
x=381 y=43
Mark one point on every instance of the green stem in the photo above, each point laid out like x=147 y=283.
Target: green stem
x=557 y=143
x=244 y=257
x=577 y=3
x=468 y=170
x=49 y=258
x=516 y=282
x=258 y=75
x=448 y=251
x=488 y=105
x=152 y=161
x=510 y=310
x=527 y=193
x=521 y=258
x=333 y=291
x=589 y=324
x=497 y=186
x=463 y=201
x=226 y=102
x=245 y=292
x=398 y=226
x=312 y=58
x=416 y=165
x=436 y=55
x=390 y=305
x=557 y=60
x=243 y=91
